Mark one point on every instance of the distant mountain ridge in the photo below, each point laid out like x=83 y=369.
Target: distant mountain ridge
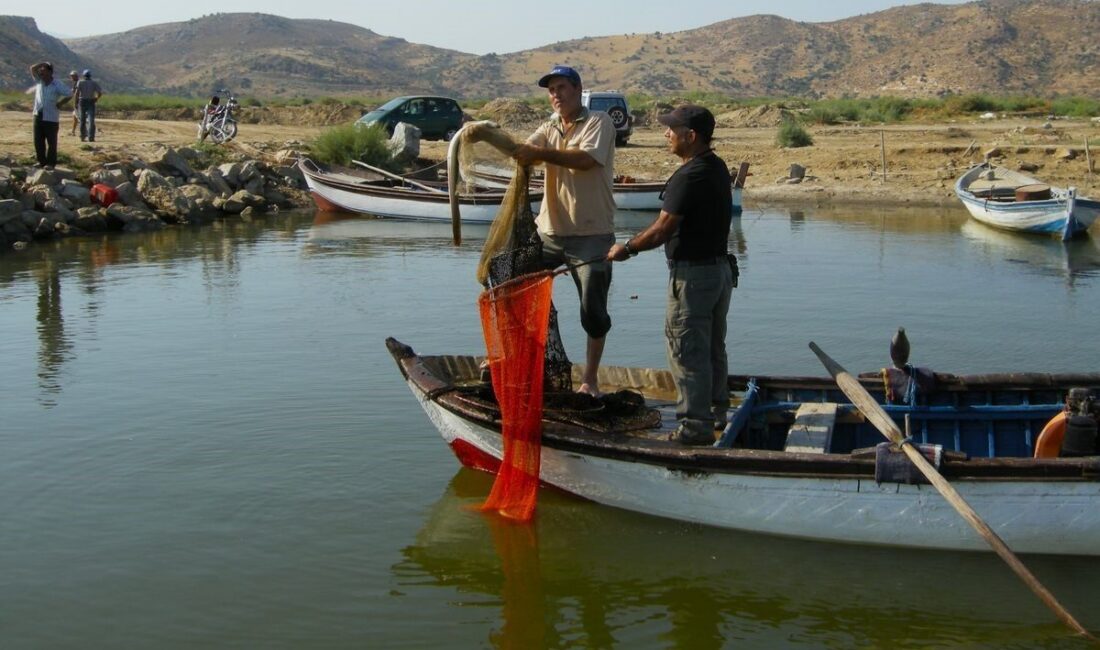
x=997 y=46
x=22 y=44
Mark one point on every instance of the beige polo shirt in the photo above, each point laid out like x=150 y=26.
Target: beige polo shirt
x=578 y=202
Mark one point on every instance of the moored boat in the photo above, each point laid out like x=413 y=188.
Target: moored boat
x=629 y=193
x=798 y=459
x=1014 y=201
x=398 y=197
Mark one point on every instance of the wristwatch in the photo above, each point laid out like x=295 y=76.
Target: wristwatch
x=629 y=251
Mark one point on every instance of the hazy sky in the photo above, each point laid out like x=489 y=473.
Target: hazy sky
x=476 y=27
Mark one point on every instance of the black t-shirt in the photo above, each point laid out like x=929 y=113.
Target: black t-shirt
x=699 y=191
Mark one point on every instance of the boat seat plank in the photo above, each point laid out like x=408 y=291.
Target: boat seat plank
x=812 y=430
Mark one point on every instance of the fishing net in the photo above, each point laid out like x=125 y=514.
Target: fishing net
x=517 y=318
x=514 y=321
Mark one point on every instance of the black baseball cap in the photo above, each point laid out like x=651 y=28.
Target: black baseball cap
x=560 y=71
x=694 y=117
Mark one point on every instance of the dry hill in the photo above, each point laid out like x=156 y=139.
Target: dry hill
x=260 y=54
x=22 y=44
x=1042 y=47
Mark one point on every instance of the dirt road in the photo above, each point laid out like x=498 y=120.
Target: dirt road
x=843 y=165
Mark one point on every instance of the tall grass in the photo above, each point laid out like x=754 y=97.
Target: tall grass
x=112 y=102
x=1076 y=106
x=342 y=144
x=812 y=111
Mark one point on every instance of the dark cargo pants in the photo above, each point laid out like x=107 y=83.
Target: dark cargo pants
x=695 y=332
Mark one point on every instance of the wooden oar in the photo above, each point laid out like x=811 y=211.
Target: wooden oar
x=398 y=177
x=873 y=412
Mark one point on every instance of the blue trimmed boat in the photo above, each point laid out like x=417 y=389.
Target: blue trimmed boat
x=797 y=459
x=1010 y=200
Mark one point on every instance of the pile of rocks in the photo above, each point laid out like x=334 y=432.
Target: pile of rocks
x=167 y=189
x=510 y=113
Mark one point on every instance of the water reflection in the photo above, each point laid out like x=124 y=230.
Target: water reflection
x=587 y=575
x=1072 y=260
x=343 y=233
x=86 y=263
x=53 y=346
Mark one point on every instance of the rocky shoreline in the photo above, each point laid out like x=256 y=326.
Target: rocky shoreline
x=171 y=187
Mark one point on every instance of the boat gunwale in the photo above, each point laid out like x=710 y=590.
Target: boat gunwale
x=419 y=371
x=327 y=179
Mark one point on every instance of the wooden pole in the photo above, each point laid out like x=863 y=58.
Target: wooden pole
x=1088 y=156
x=397 y=177
x=882 y=143
x=873 y=412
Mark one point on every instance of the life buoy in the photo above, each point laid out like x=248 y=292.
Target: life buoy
x=1049 y=442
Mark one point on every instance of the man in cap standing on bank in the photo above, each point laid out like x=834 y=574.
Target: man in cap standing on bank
x=88 y=93
x=576 y=219
x=694 y=226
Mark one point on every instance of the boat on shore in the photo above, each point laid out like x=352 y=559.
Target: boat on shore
x=378 y=193
x=798 y=459
x=630 y=194
x=1014 y=201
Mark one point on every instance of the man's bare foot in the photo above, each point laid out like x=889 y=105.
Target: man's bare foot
x=587 y=389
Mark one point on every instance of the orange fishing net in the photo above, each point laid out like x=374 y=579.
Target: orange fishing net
x=514 y=320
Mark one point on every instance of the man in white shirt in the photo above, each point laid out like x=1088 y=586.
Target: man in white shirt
x=49 y=95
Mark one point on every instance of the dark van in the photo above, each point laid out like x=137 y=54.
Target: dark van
x=436 y=117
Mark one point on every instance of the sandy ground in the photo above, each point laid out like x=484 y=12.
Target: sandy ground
x=843 y=165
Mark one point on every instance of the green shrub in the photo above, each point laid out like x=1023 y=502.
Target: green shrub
x=822 y=115
x=791 y=134
x=1075 y=106
x=976 y=103
x=342 y=144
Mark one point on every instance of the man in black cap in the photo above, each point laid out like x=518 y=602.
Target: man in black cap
x=88 y=93
x=575 y=221
x=694 y=226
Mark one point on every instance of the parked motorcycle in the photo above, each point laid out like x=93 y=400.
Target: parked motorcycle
x=218 y=122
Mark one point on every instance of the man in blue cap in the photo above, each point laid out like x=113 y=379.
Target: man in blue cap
x=575 y=221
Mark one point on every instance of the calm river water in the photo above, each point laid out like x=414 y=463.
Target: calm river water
x=203 y=443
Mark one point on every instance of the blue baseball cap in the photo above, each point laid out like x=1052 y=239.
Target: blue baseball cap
x=560 y=71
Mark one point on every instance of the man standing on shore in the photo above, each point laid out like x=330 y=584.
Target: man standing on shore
x=694 y=226
x=74 y=77
x=575 y=221
x=88 y=93
x=49 y=95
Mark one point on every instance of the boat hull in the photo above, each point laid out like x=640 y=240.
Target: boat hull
x=333 y=194
x=646 y=197
x=1056 y=517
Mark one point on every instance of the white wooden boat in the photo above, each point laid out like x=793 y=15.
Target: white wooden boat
x=398 y=197
x=629 y=193
x=767 y=474
x=1011 y=200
